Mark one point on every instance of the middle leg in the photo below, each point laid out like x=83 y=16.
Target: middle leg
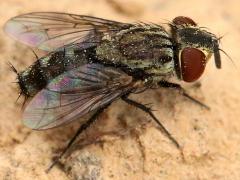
x=149 y=111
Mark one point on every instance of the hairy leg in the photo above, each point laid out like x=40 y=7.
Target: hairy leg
x=79 y=131
x=166 y=84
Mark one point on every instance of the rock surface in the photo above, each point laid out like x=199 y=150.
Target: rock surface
x=124 y=143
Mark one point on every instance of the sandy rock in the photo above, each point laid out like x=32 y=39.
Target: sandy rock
x=124 y=143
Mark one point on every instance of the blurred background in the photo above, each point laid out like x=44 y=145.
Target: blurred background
x=132 y=147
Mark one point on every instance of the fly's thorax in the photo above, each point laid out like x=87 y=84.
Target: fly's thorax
x=144 y=47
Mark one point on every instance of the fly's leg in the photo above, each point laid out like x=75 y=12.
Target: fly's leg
x=149 y=111
x=166 y=84
x=79 y=131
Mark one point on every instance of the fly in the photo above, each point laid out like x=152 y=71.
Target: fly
x=93 y=61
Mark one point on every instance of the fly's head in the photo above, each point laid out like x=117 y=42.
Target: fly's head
x=193 y=48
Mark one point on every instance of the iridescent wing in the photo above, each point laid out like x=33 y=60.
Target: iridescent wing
x=75 y=93
x=51 y=30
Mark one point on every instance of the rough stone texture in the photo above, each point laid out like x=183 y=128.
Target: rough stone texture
x=124 y=144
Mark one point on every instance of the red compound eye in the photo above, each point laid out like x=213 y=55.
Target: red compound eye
x=193 y=62
x=180 y=20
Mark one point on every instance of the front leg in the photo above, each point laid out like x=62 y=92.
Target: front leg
x=166 y=84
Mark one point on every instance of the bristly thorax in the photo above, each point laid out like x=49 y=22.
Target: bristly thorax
x=141 y=47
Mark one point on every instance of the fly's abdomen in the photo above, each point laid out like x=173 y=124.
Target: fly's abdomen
x=36 y=76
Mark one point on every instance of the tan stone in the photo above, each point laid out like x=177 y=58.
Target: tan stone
x=123 y=144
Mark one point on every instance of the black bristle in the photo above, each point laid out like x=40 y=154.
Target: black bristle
x=12 y=67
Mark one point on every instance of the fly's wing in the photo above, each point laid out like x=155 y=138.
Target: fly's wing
x=74 y=94
x=51 y=30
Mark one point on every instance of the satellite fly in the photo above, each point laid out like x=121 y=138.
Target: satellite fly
x=93 y=61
